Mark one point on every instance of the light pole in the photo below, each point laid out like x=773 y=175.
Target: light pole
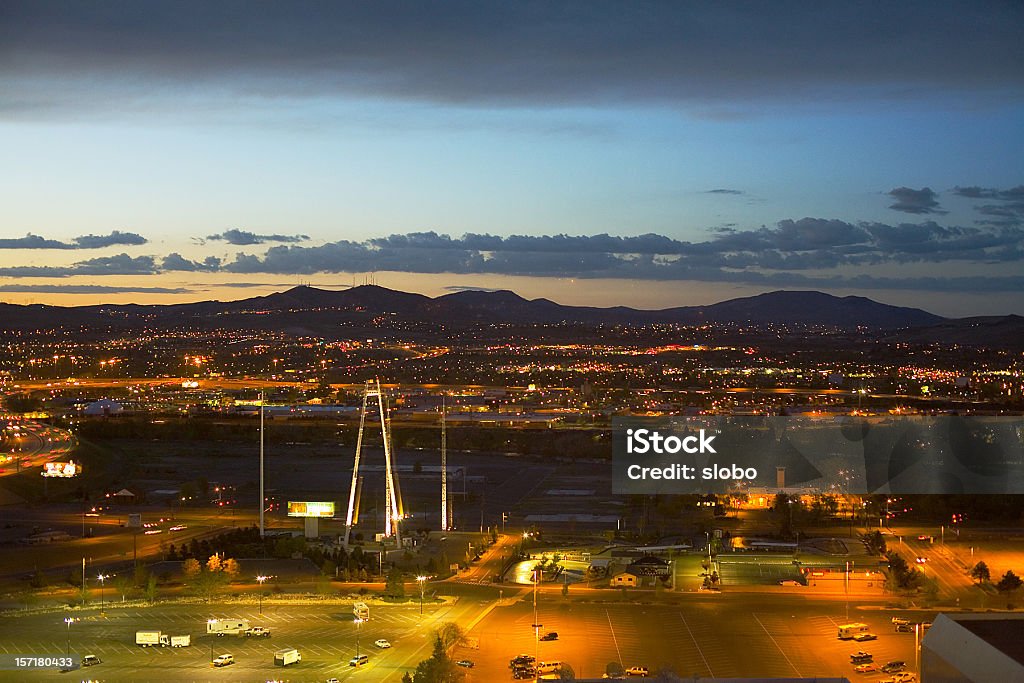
x=68 y=621
x=422 y=581
x=102 y=578
x=359 y=622
x=260 y=579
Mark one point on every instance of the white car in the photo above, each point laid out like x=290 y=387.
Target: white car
x=224 y=660
x=382 y=644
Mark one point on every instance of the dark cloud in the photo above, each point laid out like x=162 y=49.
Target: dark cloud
x=786 y=254
x=91 y=289
x=472 y=288
x=724 y=191
x=120 y=264
x=176 y=261
x=914 y=201
x=115 y=238
x=246 y=238
x=768 y=255
x=468 y=52
x=1009 y=212
x=975 y=192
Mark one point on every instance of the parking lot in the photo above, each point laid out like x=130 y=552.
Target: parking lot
x=325 y=636
x=715 y=635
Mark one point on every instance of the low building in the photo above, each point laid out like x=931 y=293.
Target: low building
x=973 y=648
x=625 y=579
x=650 y=566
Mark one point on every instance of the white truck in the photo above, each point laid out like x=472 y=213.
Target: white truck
x=222 y=627
x=158 y=639
x=361 y=610
x=287 y=656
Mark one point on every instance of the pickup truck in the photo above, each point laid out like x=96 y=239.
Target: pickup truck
x=258 y=632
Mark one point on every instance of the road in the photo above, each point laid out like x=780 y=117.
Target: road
x=35 y=445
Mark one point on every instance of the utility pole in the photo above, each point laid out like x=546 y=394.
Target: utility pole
x=262 y=498
x=444 y=468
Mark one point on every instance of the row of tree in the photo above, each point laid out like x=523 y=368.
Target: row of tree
x=1008 y=583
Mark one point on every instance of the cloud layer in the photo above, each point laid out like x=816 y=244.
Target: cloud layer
x=246 y=238
x=526 y=53
x=115 y=238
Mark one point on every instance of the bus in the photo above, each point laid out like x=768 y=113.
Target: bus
x=360 y=610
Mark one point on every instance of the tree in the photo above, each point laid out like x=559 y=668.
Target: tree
x=230 y=567
x=192 y=568
x=980 y=573
x=214 y=564
x=208 y=584
x=1009 y=582
x=449 y=634
x=614 y=670
x=406 y=678
x=875 y=542
x=395 y=587
x=151 y=589
x=439 y=668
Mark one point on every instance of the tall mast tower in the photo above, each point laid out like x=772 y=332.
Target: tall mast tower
x=392 y=494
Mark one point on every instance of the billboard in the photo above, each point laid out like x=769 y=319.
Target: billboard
x=310 y=509
x=61 y=469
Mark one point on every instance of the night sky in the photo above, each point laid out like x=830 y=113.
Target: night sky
x=641 y=153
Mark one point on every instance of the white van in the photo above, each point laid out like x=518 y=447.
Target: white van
x=548 y=667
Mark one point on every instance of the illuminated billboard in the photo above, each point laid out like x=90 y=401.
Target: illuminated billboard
x=61 y=469
x=310 y=509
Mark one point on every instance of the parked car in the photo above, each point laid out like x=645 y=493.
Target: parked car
x=642 y=671
x=224 y=660
x=863 y=636
x=860 y=657
x=358 y=660
x=893 y=666
x=465 y=663
x=865 y=668
x=550 y=635
x=382 y=644
x=91 y=660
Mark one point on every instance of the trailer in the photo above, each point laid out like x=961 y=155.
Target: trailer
x=181 y=641
x=848 y=631
x=288 y=655
x=223 y=627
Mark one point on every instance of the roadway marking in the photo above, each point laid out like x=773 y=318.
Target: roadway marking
x=774 y=642
x=700 y=651
x=614 y=639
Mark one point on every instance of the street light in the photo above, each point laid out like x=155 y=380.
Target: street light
x=422 y=581
x=102 y=578
x=69 y=621
x=260 y=579
x=359 y=622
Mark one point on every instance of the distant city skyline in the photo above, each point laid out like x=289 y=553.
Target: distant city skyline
x=642 y=154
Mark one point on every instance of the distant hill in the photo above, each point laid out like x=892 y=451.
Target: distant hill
x=813 y=308
x=320 y=310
